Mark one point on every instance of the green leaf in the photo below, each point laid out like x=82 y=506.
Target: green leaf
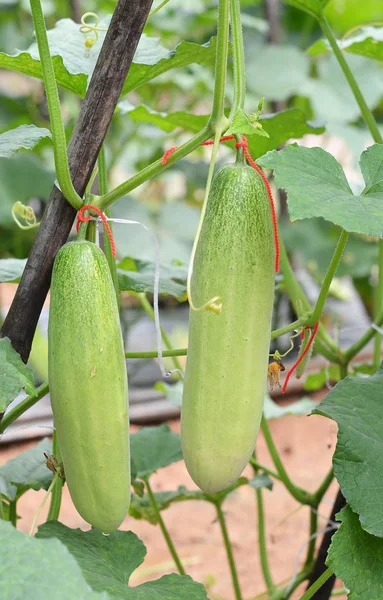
x=281 y=127
x=332 y=100
x=43 y=569
x=24 y=136
x=153 y=448
x=313 y=242
x=27 y=471
x=271 y=410
x=260 y=481
x=138 y=276
x=316 y=381
x=313 y=7
x=173 y=392
x=354 y=404
x=317 y=187
x=141 y=507
x=152 y=60
x=14 y=375
x=276 y=72
x=367 y=42
x=73 y=68
x=11 y=269
x=243 y=125
x=356 y=557
x=107 y=563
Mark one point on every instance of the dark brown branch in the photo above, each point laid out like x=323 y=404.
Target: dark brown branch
x=96 y=113
x=320 y=565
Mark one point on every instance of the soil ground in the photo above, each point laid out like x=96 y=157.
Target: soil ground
x=306 y=445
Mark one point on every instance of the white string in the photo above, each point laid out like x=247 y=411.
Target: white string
x=332 y=527
x=164 y=373
x=12 y=430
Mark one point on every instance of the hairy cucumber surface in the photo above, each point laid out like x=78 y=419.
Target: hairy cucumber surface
x=227 y=357
x=88 y=385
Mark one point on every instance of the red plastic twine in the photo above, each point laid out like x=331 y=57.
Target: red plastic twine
x=244 y=144
x=302 y=355
x=82 y=219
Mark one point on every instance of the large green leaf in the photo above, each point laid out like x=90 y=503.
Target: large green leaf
x=153 y=448
x=313 y=7
x=138 y=276
x=41 y=569
x=331 y=98
x=355 y=404
x=367 y=42
x=356 y=557
x=24 y=136
x=271 y=410
x=73 y=66
x=313 y=242
x=28 y=470
x=280 y=127
x=11 y=269
x=107 y=563
x=14 y=375
x=317 y=187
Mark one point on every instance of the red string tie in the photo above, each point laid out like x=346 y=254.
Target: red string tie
x=244 y=144
x=291 y=371
x=84 y=219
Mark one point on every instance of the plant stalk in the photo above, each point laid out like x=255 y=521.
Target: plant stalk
x=262 y=543
x=18 y=410
x=57 y=125
x=164 y=530
x=317 y=585
x=239 y=71
x=56 y=496
x=229 y=552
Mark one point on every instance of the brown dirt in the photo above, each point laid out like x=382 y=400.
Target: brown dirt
x=306 y=445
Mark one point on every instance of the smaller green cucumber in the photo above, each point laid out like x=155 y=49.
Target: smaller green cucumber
x=88 y=385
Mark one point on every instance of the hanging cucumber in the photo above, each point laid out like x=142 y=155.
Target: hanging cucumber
x=227 y=360
x=88 y=385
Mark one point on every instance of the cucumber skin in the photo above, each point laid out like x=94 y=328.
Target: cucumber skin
x=88 y=385
x=227 y=359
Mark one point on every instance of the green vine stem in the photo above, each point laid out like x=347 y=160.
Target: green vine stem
x=312 y=538
x=154 y=168
x=1 y=508
x=164 y=530
x=325 y=287
x=302 y=496
x=229 y=552
x=295 y=292
x=220 y=71
x=262 y=542
x=379 y=307
x=154 y=353
x=364 y=109
x=18 y=410
x=239 y=71
x=317 y=585
x=363 y=341
x=13 y=512
x=149 y=310
x=216 y=120
x=327 y=481
x=55 y=505
x=259 y=467
x=103 y=185
x=58 y=130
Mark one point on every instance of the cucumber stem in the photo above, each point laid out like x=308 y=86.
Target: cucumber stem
x=229 y=552
x=317 y=585
x=164 y=530
x=55 y=505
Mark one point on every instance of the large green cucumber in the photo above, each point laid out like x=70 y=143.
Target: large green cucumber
x=227 y=359
x=88 y=385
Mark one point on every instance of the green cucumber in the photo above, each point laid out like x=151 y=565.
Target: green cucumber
x=88 y=385
x=227 y=359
